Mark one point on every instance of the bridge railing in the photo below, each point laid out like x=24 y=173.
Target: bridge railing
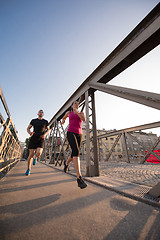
x=10 y=147
x=128 y=144
x=143 y=39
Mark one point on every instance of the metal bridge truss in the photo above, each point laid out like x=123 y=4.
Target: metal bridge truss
x=10 y=148
x=144 y=38
x=128 y=133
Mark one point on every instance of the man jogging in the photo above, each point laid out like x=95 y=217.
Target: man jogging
x=36 y=143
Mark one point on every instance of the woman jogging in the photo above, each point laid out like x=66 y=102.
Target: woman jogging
x=74 y=136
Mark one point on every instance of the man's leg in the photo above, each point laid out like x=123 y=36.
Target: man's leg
x=38 y=152
x=31 y=154
x=29 y=160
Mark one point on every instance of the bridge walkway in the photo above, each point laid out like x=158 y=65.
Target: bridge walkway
x=49 y=205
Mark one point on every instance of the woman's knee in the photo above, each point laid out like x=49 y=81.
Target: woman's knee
x=75 y=153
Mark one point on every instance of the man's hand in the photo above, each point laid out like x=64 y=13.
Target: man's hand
x=43 y=136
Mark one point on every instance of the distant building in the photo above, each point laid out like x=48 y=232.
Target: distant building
x=137 y=145
x=22 y=145
x=104 y=145
x=145 y=141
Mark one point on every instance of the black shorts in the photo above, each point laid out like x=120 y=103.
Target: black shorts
x=36 y=141
x=74 y=140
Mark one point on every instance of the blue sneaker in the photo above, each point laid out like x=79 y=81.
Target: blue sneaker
x=34 y=161
x=28 y=172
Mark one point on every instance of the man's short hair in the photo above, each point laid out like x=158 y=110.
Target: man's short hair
x=40 y=110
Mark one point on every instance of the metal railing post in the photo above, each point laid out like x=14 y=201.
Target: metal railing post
x=88 y=160
x=95 y=145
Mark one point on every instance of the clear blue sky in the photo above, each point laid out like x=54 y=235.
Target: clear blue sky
x=49 y=47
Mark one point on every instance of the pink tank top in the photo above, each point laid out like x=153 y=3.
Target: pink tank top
x=74 y=123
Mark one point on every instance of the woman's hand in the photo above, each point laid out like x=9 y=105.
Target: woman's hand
x=75 y=110
x=65 y=116
x=80 y=114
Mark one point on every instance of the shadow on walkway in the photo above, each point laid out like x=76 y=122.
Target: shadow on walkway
x=147 y=228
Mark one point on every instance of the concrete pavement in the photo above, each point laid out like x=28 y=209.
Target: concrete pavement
x=142 y=174
x=131 y=180
x=49 y=205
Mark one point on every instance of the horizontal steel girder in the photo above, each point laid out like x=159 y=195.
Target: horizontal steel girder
x=131 y=129
x=144 y=38
x=146 y=98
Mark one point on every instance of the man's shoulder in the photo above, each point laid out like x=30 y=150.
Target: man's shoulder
x=33 y=120
x=45 y=120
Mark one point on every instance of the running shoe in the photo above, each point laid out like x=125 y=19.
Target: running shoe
x=81 y=183
x=34 y=161
x=28 y=172
x=65 y=166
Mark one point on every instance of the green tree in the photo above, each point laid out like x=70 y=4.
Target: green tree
x=26 y=150
x=27 y=142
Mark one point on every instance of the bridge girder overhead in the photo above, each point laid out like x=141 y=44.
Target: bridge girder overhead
x=144 y=38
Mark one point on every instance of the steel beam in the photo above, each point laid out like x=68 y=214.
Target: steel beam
x=4 y=102
x=113 y=146
x=124 y=147
x=95 y=146
x=144 y=38
x=132 y=129
x=88 y=160
x=146 y=98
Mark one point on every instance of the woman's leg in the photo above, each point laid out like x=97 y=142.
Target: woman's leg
x=74 y=142
x=76 y=163
x=70 y=159
x=66 y=164
x=76 y=160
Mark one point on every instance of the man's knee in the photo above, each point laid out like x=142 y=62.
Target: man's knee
x=39 y=152
x=31 y=154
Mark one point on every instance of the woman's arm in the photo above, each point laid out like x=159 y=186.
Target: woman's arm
x=81 y=114
x=64 y=117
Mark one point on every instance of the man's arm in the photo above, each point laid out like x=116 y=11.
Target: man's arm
x=28 y=130
x=44 y=135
